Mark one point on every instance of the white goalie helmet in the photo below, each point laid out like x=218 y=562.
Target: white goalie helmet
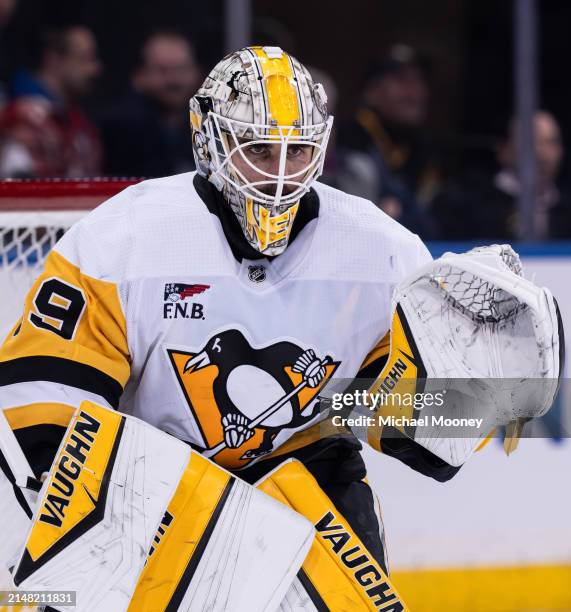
x=260 y=96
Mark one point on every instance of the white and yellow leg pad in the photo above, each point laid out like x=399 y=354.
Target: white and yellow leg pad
x=338 y=573
x=16 y=499
x=131 y=518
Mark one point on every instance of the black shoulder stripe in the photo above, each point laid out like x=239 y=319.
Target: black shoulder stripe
x=62 y=371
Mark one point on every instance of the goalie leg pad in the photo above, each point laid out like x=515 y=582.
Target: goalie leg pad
x=339 y=573
x=222 y=545
x=130 y=513
x=18 y=494
x=97 y=511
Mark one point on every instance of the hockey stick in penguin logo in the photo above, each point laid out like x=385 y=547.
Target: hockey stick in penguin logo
x=249 y=379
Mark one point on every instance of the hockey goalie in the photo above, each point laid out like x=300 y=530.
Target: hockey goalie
x=166 y=431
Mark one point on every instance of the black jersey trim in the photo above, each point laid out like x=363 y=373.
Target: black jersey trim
x=62 y=371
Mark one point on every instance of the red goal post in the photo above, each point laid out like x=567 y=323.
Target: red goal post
x=34 y=214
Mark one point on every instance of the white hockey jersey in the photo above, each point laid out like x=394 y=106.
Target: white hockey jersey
x=143 y=306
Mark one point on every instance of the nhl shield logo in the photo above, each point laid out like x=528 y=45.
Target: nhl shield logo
x=257 y=274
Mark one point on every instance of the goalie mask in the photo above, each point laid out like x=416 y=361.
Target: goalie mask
x=260 y=128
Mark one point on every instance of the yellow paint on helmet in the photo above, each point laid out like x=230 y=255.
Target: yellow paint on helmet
x=280 y=87
x=270 y=228
x=195 y=120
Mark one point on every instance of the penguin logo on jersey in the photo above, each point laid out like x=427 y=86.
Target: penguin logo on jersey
x=241 y=397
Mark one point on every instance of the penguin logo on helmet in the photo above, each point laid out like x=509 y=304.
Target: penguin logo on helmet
x=242 y=397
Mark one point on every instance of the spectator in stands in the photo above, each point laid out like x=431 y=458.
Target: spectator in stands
x=388 y=128
x=485 y=207
x=6 y=9
x=352 y=171
x=47 y=132
x=146 y=134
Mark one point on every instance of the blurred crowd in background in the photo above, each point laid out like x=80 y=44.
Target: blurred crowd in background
x=380 y=149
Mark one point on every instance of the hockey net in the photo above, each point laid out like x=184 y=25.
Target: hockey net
x=34 y=215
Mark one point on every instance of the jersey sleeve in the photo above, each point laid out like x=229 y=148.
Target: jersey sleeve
x=69 y=345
